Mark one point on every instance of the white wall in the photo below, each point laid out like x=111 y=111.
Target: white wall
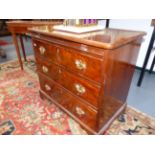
x=140 y=25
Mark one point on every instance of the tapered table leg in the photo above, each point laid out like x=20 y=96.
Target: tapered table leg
x=17 y=50
x=22 y=45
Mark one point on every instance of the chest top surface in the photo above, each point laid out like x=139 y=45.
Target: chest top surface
x=106 y=38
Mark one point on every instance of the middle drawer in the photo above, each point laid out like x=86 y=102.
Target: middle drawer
x=77 y=85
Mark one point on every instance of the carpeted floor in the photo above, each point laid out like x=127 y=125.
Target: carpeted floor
x=22 y=112
x=3 y=42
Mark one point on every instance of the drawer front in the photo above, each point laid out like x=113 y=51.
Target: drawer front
x=82 y=63
x=80 y=87
x=73 y=60
x=46 y=51
x=54 y=91
x=82 y=111
x=49 y=69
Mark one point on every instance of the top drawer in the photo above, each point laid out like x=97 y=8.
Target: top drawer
x=74 y=60
x=45 y=50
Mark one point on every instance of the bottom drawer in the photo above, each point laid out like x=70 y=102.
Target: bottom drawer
x=82 y=111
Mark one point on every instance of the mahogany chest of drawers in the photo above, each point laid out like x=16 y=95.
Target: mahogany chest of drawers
x=88 y=76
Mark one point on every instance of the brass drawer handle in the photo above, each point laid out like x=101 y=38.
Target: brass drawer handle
x=80 y=64
x=58 y=50
x=35 y=45
x=44 y=69
x=58 y=54
x=59 y=71
x=47 y=87
x=42 y=50
x=80 y=89
x=79 y=111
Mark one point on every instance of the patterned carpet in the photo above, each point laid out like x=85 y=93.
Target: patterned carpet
x=3 y=42
x=22 y=112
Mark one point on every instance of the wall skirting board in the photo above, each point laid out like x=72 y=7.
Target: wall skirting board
x=147 y=70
